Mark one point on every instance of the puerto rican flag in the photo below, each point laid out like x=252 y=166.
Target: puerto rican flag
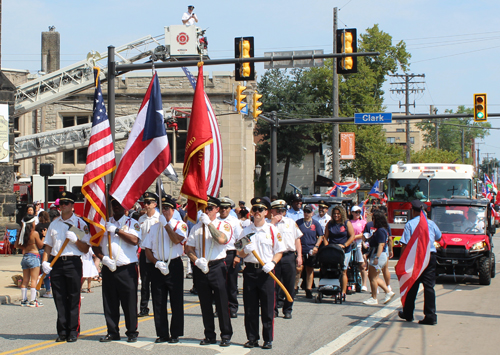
x=415 y=258
x=375 y=191
x=147 y=153
x=333 y=191
x=347 y=187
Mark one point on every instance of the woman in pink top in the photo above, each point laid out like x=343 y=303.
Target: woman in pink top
x=359 y=225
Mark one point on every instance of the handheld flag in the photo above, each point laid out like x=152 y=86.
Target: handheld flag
x=414 y=258
x=375 y=191
x=147 y=153
x=100 y=162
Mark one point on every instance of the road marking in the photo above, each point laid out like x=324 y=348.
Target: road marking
x=146 y=344
x=89 y=332
x=359 y=329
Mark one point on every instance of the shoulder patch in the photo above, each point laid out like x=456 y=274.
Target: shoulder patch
x=86 y=229
x=136 y=227
x=279 y=237
x=184 y=227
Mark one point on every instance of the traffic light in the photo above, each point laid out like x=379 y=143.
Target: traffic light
x=240 y=97
x=243 y=48
x=480 y=114
x=347 y=43
x=256 y=104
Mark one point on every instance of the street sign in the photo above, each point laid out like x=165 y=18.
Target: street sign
x=294 y=63
x=244 y=110
x=372 y=118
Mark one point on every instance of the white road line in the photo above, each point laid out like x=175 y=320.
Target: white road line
x=359 y=329
x=148 y=344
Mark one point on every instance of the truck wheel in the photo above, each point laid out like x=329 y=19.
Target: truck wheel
x=484 y=271
x=493 y=271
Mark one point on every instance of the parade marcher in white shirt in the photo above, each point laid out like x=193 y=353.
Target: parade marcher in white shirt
x=286 y=269
x=119 y=273
x=232 y=260
x=164 y=249
x=322 y=217
x=145 y=267
x=258 y=286
x=67 y=272
x=189 y=18
x=208 y=252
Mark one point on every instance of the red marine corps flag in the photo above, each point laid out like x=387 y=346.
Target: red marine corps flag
x=199 y=136
x=415 y=258
x=100 y=162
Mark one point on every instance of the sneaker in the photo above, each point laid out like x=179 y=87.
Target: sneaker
x=36 y=303
x=389 y=287
x=371 y=300
x=388 y=297
x=47 y=295
x=24 y=303
x=364 y=289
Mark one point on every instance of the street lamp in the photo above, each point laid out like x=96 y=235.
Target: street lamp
x=258 y=171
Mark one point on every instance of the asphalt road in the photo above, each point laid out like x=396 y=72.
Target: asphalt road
x=316 y=327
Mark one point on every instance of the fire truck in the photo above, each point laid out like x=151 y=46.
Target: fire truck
x=424 y=182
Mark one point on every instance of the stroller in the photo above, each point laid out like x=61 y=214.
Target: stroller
x=331 y=261
x=354 y=282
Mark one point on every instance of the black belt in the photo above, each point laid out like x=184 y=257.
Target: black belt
x=231 y=251
x=215 y=262
x=69 y=257
x=288 y=253
x=253 y=265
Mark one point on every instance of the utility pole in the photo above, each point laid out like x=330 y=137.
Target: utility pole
x=433 y=111
x=407 y=90
x=488 y=162
x=335 y=133
x=463 y=146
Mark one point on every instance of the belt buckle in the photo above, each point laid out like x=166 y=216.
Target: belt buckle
x=64 y=257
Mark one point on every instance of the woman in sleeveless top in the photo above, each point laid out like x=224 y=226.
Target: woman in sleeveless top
x=29 y=242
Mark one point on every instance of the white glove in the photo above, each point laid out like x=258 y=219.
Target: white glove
x=205 y=219
x=202 y=264
x=249 y=248
x=162 y=266
x=268 y=267
x=71 y=236
x=163 y=221
x=111 y=264
x=46 y=267
x=110 y=227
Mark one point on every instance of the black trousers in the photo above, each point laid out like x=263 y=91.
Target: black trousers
x=120 y=288
x=232 y=281
x=145 y=269
x=169 y=286
x=66 y=279
x=428 y=280
x=258 y=287
x=212 y=288
x=286 y=271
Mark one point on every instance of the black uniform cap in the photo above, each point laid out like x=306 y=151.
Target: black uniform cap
x=261 y=202
x=167 y=200
x=212 y=201
x=297 y=197
x=322 y=203
x=150 y=196
x=67 y=196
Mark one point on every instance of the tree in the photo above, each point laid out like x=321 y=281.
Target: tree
x=433 y=155
x=488 y=166
x=450 y=131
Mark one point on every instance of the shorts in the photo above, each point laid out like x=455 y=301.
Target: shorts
x=347 y=259
x=358 y=256
x=309 y=260
x=30 y=261
x=382 y=260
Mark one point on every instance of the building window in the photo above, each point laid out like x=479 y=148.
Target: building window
x=77 y=156
x=390 y=140
x=412 y=140
x=177 y=141
x=400 y=129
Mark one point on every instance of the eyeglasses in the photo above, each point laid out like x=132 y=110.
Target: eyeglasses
x=209 y=208
x=258 y=209
x=62 y=203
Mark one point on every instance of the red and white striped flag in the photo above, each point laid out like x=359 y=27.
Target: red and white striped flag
x=100 y=162
x=213 y=151
x=415 y=258
x=147 y=153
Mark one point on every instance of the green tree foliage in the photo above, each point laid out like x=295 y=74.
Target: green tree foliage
x=488 y=166
x=433 y=155
x=450 y=131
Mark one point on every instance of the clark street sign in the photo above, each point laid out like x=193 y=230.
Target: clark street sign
x=372 y=118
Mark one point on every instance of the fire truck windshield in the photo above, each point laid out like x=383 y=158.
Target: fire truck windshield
x=402 y=190
x=445 y=188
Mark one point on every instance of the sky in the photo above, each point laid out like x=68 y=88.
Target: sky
x=456 y=44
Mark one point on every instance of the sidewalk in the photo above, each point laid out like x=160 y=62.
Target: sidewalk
x=10 y=265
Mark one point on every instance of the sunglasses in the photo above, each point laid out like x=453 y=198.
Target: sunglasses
x=209 y=208
x=62 y=203
x=148 y=202
x=224 y=207
x=258 y=209
x=355 y=211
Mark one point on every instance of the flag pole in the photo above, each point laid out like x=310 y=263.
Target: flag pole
x=158 y=188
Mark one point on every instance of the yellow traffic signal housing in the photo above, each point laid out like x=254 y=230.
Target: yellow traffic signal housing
x=256 y=104
x=347 y=43
x=240 y=97
x=243 y=48
x=480 y=113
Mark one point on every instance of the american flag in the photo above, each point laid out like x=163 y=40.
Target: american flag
x=100 y=162
x=213 y=152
